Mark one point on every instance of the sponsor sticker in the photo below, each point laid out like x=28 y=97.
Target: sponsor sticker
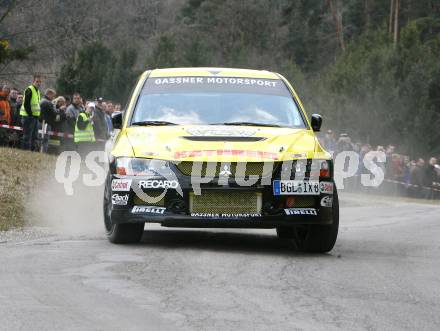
x=148 y=210
x=225 y=215
x=295 y=187
x=220 y=131
x=226 y=152
x=327 y=201
x=122 y=185
x=120 y=200
x=158 y=184
x=301 y=211
x=215 y=80
x=326 y=187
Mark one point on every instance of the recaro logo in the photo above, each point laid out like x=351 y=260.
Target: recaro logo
x=158 y=184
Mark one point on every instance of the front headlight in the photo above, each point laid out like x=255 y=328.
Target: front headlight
x=320 y=168
x=127 y=166
x=324 y=168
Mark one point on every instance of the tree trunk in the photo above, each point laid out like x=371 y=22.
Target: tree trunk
x=396 y=21
x=367 y=13
x=390 y=24
x=337 y=18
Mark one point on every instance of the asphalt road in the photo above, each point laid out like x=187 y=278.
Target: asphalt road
x=384 y=273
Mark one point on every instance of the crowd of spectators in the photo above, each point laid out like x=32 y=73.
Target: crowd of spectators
x=404 y=175
x=57 y=119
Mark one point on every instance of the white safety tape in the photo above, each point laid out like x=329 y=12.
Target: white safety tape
x=50 y=133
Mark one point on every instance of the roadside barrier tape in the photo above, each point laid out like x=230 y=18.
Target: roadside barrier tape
x=11 y=127
x=407 y=185
x=404 y=183
x=49 y=133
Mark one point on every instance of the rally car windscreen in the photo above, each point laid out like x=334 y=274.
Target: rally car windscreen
x=217 y=100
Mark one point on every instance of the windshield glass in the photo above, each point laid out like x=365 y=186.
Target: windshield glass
x=217 y=100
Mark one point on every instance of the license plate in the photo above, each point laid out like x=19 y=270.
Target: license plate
x=295 y=187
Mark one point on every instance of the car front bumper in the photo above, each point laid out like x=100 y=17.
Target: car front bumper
x=316 y=214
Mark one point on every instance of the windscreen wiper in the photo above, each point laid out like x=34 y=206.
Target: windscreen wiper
x=249 y=124
x=157 y=123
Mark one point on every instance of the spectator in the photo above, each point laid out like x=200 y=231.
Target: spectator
x=5 y=115
x=16 y=111
x=330 y=141
x=5 y=108
x=60 y=113
x=396 y=167
x=100 y=124
x=108 y=118
x=72 y=113
x=437 y=168
x=406 y=169
x=13 y=102
x=59 y=105
x=110 y=108
x=118 y=108
x=46 y=106
x=417 y=177
x=47 y=116
x=344 y=143
x=389 y=162
x=430 y=177
x=30 y=112
x=366 y=148
x=68 y=101
x=84 y=133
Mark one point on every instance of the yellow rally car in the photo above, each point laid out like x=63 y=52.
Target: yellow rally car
x=219 y=147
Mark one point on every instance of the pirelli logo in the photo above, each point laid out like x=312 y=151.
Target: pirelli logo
x=301 y=211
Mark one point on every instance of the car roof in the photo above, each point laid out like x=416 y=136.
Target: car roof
x=213 y=72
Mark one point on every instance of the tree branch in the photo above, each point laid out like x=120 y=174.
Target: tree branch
x=8 y=10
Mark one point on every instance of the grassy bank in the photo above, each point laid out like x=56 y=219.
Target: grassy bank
x=20 y=173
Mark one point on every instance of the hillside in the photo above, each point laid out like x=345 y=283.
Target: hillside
x=20 y=173
x=371 y=67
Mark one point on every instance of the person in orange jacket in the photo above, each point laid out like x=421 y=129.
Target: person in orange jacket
x=5 y=108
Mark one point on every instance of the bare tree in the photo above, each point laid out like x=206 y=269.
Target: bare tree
x=393 y=25
x=337 y=19
x=396 y=22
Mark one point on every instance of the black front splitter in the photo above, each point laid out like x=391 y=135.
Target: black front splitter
x=186 y=221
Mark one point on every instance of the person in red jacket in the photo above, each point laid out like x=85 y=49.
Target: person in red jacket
x=5 y=108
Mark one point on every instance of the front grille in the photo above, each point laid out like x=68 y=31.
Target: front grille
x=250 y=168
x=229 y=202
x=304 y=201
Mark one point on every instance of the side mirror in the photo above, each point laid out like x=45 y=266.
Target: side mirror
x=316 y=121
x=117 y=120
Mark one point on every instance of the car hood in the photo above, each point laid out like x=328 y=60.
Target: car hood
x=218 y=143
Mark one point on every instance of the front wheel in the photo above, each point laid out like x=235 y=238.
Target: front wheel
x=314 y=238
x=125 y=233
x=119 y=233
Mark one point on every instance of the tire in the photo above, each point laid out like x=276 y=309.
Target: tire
x=286 y=232
x=119 y=233
x=126 y=233
x=318 y=238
